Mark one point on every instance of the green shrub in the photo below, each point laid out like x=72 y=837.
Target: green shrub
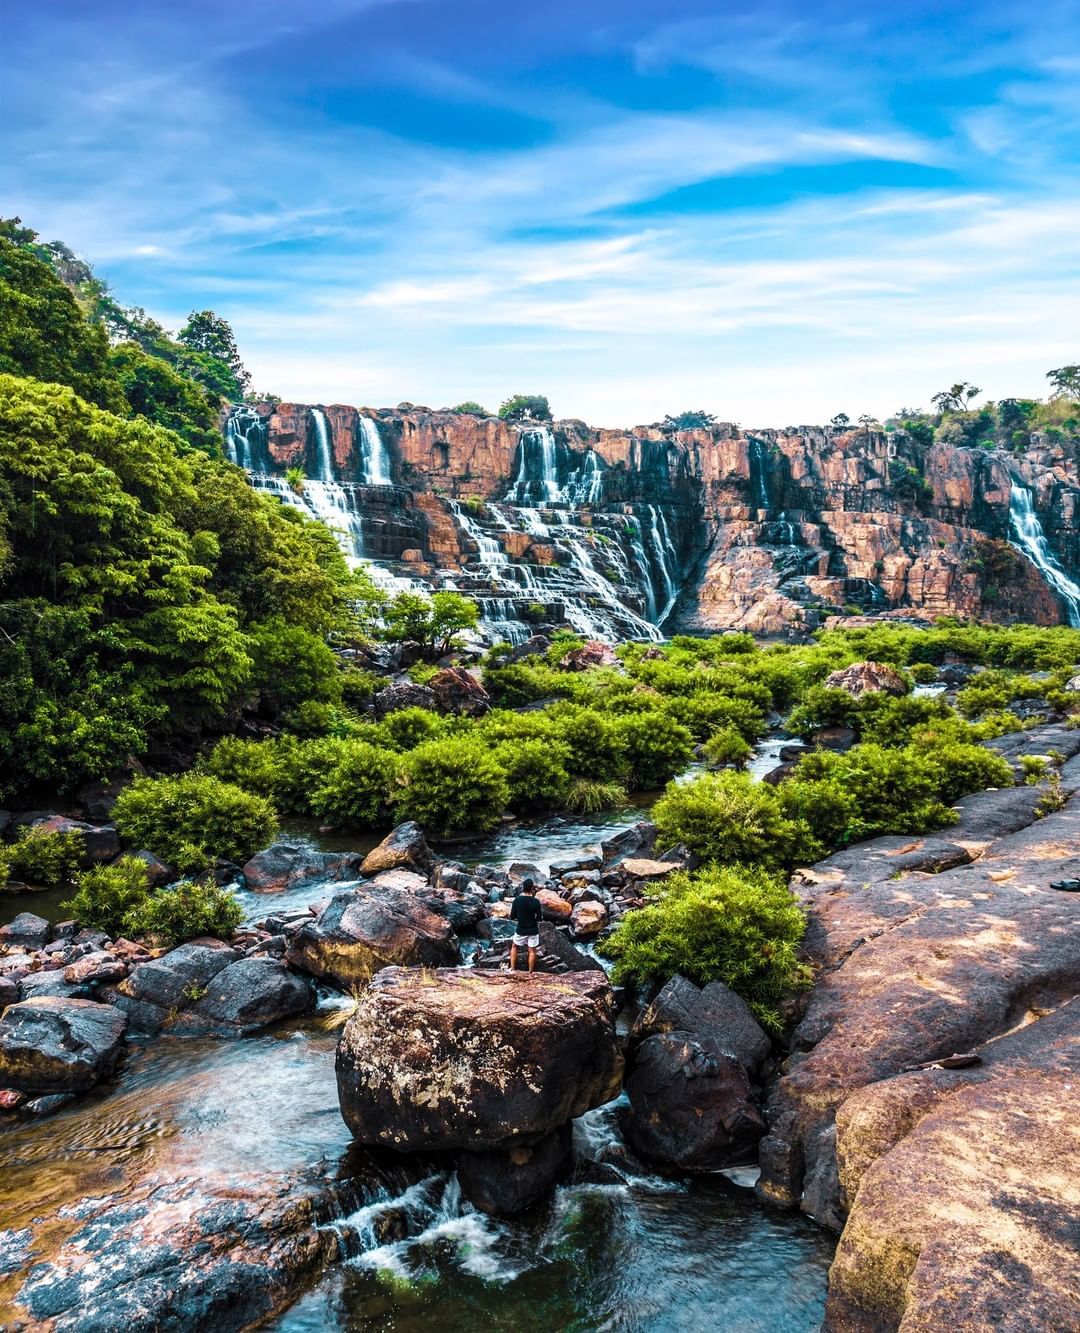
x=895 y=791
x=253 y=765
x=184 y=912
x=410 y=727
x=727 y=747
x=453 y=786
x=536 y=771
x=303 y=766
x=106 y=894
x=826 y=806
x=705 y=713
x=43 y=857
x=359 y=789
x=5 y=864
x=193 y=820
x=822 y=707
x=735 y=924
x=887 y=721
x=421 y=672
x=1035 y=768
x=962 y=769
x=922 y=673
x=727 y=817
x=596 y=746
x=588 y=796
x=655 y=746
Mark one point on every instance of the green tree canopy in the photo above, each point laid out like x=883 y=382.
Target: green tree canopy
x=525 y=407
x=689 y=421
x=214 y=358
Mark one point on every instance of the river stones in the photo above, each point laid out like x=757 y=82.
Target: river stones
x=867 y=678
x=26 y=931
x=50 y=1045
x=714 y=1012
x=480 y=1061
x=284 y=865
x=403 y=694
x=155 y=991
x=503 y=1184
x=372 y=927
x=403 y=848
x=249 y=994
x=964 y=1192
x=691 y=1107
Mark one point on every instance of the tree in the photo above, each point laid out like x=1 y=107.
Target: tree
x=216 y=360
x=161 y=394
x=688 y=421
x=525 y=407
x=433 y=624
x=1065 y=382
x=868 y=422
x=469 y=408
x=840 y=421
x=956 y=398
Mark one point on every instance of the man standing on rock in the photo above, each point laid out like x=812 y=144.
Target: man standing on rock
x=525 y=914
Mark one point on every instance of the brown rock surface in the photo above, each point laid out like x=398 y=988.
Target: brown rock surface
x=867 y=678
x=403 y=848
x=456 y=691
x=475 y=1060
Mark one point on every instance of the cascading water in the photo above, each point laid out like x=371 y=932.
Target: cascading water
x=374 y=460
x=1030 y=539
x=538 y=474
x=324 y=458
x=758 y=473
x=584 y=486
x=245 y=439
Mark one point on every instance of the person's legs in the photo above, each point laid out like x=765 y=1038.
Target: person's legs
x=513 y=958
x=532 y=960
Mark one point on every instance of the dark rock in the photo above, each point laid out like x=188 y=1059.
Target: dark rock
x=9 y=991
x=157 y=872
x=560 y=868
x=284 y=865
x=97 y=966
x=250 y=993
x=505 y=1183
x=520 y=870
x=101 y=843
x=368 y=928
x=837 y=738
x=638 y=840
x=461 y=1059
x=715 y=1013
x=534 y=646
x=681 y=856
x=47 y=1105
x=690 y=1104
x=58 y=1045
x=51 y=982
x=403 y=848
x=27 y=931
x=153 y=990
x=403 y=695
x=456 y=691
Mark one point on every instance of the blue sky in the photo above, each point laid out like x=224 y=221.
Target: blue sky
x=776 y=212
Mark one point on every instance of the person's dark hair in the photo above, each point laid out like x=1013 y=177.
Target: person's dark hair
x=528 y=886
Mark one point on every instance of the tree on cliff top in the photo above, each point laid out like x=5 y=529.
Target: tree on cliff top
x=956 y=398
x=525 y=407
x=213 y=357
x=471 y=409
x=688 y=421
x=1065 y=382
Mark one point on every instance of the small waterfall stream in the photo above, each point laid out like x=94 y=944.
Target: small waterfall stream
x=375 y=461
x=1030 y=539
x=324 y=458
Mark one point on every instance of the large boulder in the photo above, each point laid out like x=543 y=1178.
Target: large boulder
x=403 y=848
x=372 y=927
x=505 y=1183
x=26 y=931
x=715 y=1013
x=249 y=994
x=456 y=691
x=592 y=653
x=403 y=694
x=475 y=1060
x=690 y=1104
x=155 y=991
x=284 y=865
x=867 y=678
x=100 y=842
x=58 y=1045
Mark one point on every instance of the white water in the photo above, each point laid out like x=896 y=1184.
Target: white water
x=324 y=458
x=242 y=449
x=543 y=485
x=373 y=456
x=1030 y=539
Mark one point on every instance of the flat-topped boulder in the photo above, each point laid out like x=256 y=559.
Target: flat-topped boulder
x=963 y=1191
x=459 y=1059
x=49 y=1044
x=285 y=865
x=373 y=926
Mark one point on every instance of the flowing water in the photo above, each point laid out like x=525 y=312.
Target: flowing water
x=1030 y=539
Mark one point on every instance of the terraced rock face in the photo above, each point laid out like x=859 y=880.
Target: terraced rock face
x=955 y=1189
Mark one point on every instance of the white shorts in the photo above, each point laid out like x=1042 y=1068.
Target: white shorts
x=527 y=941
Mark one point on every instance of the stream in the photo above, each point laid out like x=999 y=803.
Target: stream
x=612 y=1251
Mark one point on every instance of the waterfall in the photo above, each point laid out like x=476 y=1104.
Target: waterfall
x=324 y=458
x=585 y=484
x=492 y=555
x=757 y=474
x=245 y=439
x=538 y=475
x=374 y=460
x=1030 y=539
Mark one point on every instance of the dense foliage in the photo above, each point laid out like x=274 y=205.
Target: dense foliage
x=192 y=820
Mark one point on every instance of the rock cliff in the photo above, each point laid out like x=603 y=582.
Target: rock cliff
x=618 y=532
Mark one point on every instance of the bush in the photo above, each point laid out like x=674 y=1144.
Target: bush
x=303 y=766
x=453 y=786
x=193 y=820
x=106 y=894
x=535 y=770
x=705 y=713
x=656 y=748
x=587 y=796
x=41 y=856
x=963 y=769
x=359 y=789
x=728 y=817
x=734 y=924
x=922 y=673
x=190 y=909
x=410 y=727
x=895 y=791
x=253 y=765
x=596 y=746
x=822 y=707
x=727 y=747
x=5 y=865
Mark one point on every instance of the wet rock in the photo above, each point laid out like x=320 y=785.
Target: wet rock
x=372 y=927
x=49 y=1104
x=836 y=738
x=587 y=862
x=403 y=695
x=534 y=646
x=151 y=993
x=58 y=1045
x=475 y=1061
x=555 y=908
x=588 y=919
x=251 y=993
x=403 y=848
x=714 y=1012
x=506 y=1183
x=50 y=982
x=639 y=839
x=464 y=911
x=9 y=991
x=457 y=691
x=690 y=1104
x=867 y=678
x=284 y=865
x=100 y=843
x=97 y=966
x=26 y=931
x=961 y=1214
x=591 y=654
